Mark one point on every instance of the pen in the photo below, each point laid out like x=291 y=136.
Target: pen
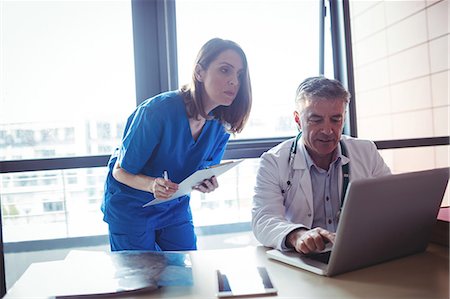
x=166 y=177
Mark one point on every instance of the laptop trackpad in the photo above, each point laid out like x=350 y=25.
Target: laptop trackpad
x=323 y=257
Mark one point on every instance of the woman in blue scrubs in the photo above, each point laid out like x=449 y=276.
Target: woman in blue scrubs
x=177 y=132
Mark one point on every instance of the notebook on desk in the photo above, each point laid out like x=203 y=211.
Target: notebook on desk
x=382 y=219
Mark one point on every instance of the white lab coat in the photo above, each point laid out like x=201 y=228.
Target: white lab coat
x=274 y=214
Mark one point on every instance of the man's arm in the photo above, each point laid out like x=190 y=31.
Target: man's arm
x=269 y=223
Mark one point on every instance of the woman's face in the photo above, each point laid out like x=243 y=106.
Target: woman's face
x=221 y=79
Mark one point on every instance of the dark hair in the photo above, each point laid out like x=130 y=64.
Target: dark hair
x=234 y=116
x=321 y=88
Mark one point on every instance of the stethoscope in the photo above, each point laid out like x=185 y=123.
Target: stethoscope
x=345 y=169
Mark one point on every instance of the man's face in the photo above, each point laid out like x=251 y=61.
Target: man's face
x=321 y=121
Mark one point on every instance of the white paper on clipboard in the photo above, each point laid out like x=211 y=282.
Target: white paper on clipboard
x=185 y=187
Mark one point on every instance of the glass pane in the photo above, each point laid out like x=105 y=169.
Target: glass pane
x=67 y=77
x=418 y=158
x=52 y=204
x=232 y=201
x=66 y=203
x=280 y=39
x=400 y=52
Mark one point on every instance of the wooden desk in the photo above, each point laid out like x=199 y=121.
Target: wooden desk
x=424 y=275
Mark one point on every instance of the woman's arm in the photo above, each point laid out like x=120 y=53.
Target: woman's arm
x=160 y=187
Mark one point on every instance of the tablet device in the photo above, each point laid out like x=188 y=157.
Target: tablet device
x=239 y=282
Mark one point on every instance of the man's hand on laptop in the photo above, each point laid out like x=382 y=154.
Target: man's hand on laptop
x=309 y=241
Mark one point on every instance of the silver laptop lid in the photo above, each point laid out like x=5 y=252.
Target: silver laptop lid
x=387 y=217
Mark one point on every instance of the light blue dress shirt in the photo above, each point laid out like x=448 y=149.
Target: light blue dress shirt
x=325 y=189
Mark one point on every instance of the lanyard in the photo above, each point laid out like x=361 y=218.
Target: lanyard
x=345 y=167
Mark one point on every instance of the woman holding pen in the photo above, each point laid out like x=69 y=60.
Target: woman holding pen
x=167 y=138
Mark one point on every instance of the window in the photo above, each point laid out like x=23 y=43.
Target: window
x=66 y=66
x=67 y=79
x=281 y=42
x=91 y=63
x=52 y=204
x=396 y=98
x=401 y=84
x=280 y=39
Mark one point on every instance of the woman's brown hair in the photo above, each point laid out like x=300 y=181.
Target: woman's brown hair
x=234 y=116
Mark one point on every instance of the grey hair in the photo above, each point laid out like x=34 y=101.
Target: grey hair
x=321 y=88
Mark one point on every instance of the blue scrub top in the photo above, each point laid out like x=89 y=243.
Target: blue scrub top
x=158 y=137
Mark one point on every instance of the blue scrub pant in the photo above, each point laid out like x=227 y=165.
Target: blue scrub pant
x=176 y=237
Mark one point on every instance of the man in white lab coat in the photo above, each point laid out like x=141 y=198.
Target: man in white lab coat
x=301 y=182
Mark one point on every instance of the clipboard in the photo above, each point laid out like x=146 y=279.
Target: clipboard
x=185 y=187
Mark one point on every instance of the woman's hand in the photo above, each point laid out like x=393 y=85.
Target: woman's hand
x=208 y=185
x=162 y=188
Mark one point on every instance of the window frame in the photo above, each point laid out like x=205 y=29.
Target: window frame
x=160 y=15
x=156 y=71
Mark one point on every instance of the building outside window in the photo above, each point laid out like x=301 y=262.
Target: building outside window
x=67 y=80
x=84 y=110
x=76 y=60
x=401 y=79
x=281 y=42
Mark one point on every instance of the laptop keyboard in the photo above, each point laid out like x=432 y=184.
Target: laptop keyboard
x=323 y=257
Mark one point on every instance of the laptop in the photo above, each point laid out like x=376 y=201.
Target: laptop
x=382 y=219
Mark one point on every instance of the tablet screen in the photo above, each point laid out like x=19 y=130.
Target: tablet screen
x=244 y=282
